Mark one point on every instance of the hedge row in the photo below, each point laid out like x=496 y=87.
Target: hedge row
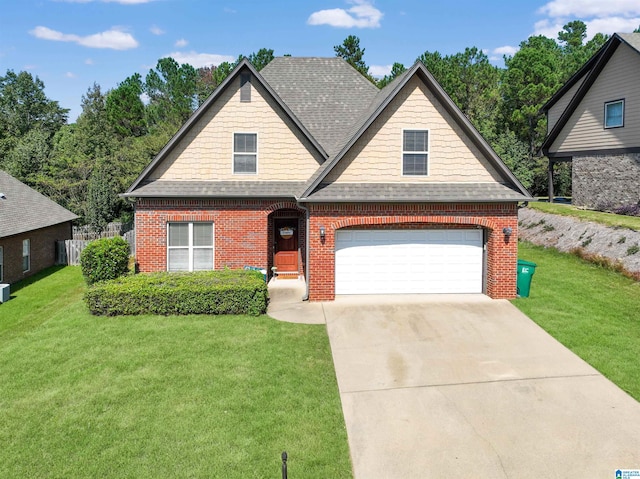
x=205 y=292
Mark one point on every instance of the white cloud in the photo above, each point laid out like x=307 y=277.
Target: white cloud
x=156 y=30
x=380 y=70
x=30 y=67
x=70 y=75
x=362 y=15
x=198 y=60
x=88 y=61
x=505 y=50
x=548 y=28
x=611 y=25
x=590 y=8
x=181 y=43
x=229 y=10
x=600 y=17
x=114 y=39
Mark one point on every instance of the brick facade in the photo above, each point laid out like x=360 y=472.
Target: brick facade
x=43 y=250
x=243 y=233
x=242 y=229
x=502 y=253
x=606 y=181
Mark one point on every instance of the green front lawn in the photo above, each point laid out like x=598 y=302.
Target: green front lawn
x=592 y=311
x=155 y=396
x=607 y=219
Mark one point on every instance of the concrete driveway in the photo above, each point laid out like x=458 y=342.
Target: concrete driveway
x=466 y=386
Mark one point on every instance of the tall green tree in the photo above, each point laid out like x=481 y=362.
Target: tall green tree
x=261 y=58
x=171 y=89
x=25 y=107
x=102 y=196
x=471 y=82
x=575 y=52
x=532 y=75
x=396 y=70
x=351 y=52
x=125 y=109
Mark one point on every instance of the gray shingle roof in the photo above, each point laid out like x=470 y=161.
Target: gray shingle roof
x=333 y=105
x=632 y=39
x=25 y=209
x=326 y=94
x=416 y=192
x=218 y=189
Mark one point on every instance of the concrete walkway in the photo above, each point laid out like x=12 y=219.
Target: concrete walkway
x=465 y=386
x=285 y=303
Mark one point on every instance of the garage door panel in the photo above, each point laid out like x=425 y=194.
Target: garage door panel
x=408 y=261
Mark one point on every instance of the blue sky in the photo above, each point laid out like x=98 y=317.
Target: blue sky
x=70 y=44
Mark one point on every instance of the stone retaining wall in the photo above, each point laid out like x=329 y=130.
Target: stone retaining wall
x=566 y=233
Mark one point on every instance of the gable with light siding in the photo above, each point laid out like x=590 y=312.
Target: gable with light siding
x=205 y=153
x=377 y=155
x=584 y=131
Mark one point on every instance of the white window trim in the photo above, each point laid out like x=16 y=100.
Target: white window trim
x=428 y=152
x=606 y=104
x=1 y=264
x=233 y=151
x=190 y=247
x=26 y=242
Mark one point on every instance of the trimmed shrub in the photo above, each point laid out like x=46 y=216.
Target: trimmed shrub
x=203 y=292
x=105 y=259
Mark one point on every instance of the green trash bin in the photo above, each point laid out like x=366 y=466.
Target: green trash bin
x=525 y=273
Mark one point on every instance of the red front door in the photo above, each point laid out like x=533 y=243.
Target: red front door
x=286 y=245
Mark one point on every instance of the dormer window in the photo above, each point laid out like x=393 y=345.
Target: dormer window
x=614 y=114
x=415 y=152
x=245 y=153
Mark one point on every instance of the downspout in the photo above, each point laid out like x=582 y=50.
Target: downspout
x=306 y=253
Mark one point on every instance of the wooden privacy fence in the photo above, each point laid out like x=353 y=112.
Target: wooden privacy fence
x=85 y=232
x=68 y=251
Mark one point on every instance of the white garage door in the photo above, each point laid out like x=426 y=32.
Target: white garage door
x=408 y=261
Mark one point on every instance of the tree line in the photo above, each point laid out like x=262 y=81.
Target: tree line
x=85 y=165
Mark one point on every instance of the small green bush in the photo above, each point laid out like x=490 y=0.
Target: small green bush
x=203 y=292
x=104 y=259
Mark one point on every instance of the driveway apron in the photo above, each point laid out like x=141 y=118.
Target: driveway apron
x=466 y=386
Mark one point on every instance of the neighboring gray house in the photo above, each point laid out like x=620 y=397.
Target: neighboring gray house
x=30 y=225
x=594 y=121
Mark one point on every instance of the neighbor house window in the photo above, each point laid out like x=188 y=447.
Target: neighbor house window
x=415 y=152
x=190 y=246
x=1 y=264
x=614 y=114
x=26 y=255
x=245 y=153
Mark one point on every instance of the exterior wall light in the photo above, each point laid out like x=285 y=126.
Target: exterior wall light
x=323 y=233
x=507 y=231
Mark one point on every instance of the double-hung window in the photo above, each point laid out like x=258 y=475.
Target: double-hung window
x=415 y=152
x=614 y=114
x=190 y=246
x=245 y=153
x=26 y=255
